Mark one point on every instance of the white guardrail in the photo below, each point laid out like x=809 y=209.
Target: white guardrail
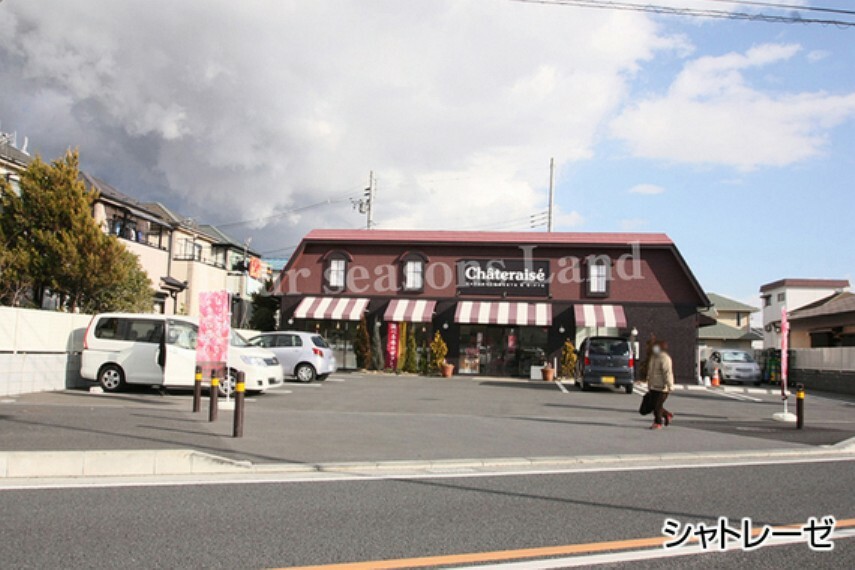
x=836 y=359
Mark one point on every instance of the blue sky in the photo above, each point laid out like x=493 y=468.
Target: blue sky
x=741 y=133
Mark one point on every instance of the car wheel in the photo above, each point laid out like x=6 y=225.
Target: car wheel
x=628 y=389
x=111 y=378
x=323 y=377
x=305 y=373
x=227 y=384
x=757 y=383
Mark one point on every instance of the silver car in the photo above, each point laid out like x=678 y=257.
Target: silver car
x=303 y=355
x=733 y=366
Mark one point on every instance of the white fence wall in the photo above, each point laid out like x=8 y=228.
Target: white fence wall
x=832 y=359
x=39 y=350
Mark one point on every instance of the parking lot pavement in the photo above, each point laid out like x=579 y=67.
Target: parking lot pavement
x=377 y=417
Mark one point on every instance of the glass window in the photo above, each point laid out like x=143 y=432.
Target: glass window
x=236 y=340
x=319 y=341
x=337 y=273
x=736 y=357
x=767 y=301
x=597 y=279
x=140 y=330
x=609 y=347
x=739 y=319
x=107 y=328
x=182 y=334
x=413 y=275
x=781 y=297
x=262 y=341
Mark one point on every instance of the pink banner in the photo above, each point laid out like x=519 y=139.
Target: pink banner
x=785 y=348
x=212 y=346
x=392 y=346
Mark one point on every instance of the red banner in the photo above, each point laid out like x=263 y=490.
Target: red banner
x=392 y=346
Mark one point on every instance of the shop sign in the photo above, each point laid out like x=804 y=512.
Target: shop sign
x=392 y=346
x=513 y=277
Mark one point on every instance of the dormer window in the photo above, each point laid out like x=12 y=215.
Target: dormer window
x=335 y=271
x=414 y=270
x=598 y=277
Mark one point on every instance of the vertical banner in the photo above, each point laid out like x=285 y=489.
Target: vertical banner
x=212 y=345
x=392 y=346
x=785 y=348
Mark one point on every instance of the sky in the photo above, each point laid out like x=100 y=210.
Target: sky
x=266 y=116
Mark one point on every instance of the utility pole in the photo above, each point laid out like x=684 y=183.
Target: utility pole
x=551 y=194
x=369 y=194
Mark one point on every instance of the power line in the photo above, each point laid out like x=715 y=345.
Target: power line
x=693 y=12
x=788 y=6
x=326 y=202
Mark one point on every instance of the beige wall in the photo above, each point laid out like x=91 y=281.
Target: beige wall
x=199 y=277
x=155 y=262
x=729 y=318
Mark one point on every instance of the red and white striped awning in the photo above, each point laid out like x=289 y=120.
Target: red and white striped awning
x=331 y=308
x=600 y=316
x=504 y=313
x=409 y=310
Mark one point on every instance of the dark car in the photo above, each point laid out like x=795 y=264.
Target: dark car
x=605 y=361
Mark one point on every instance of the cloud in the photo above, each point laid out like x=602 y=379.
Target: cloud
x=648 y=189
x=633 y=224
x=227 y=114
x=817 y=55
x=712 y=115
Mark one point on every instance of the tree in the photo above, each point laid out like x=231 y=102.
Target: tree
x=377 y=347
x=362 y=345
x=438 y=351
x=50 y=226
x=264 y=307
x=16 y=279
x=411 y=357
x=568 y=360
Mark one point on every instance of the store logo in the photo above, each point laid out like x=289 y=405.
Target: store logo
x=524 y=277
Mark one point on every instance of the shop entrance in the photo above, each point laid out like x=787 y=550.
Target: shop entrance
x=491 y=350
x=340 y=335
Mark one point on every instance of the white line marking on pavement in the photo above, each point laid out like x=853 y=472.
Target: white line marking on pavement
x=562 y=387
x=332 y=476
x=335 y=380
x=636 y=555
x=733 y=396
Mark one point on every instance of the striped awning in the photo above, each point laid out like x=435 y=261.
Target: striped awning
x=504 y=313
x=409 y=310
x=600 y=316
x=331 y=308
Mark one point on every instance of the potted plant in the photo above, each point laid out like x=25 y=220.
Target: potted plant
x=438 y=351
x=547 y=372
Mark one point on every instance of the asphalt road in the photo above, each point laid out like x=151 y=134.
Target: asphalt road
x=257 y=525
x=357 y=418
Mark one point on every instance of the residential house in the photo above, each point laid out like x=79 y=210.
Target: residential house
x=138 y=228
x=729 y=326
x=827 y=323
x=792 y=294
x=13 y=160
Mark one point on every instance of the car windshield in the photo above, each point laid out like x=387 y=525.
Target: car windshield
x=736 y=357
x=236 y=340
x=609 y=347
x=319 y=341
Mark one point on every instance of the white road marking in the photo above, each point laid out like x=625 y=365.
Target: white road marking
x=333 y=476
x=736 y=396
x=636 y=555
x=335 y=380
x=562 y=387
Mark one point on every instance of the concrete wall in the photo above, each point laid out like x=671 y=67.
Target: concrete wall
x=837 y=359
x=40 y=350
x=839 y=382
x=155 y=262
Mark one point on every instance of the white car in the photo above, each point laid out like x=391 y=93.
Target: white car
x=160 y=350
x=733 y=366
x=305 y=356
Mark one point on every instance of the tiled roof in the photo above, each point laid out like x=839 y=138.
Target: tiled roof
x=726 y=304
x=14 y=154
x=110 y=194
x=831 y=305
x=538 y=238
x=806 y=284
x=721 y=331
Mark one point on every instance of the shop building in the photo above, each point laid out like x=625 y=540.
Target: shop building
x=502 y=301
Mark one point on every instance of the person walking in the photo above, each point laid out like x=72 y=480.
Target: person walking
x=660 y=382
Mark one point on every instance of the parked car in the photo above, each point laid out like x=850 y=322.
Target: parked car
x=305 y=356
x=733 y=366
x=160 y=350
x=605 y=361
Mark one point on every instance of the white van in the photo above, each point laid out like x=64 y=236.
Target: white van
x=123 y=348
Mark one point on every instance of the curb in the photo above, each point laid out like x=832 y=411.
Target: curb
x=142 y=463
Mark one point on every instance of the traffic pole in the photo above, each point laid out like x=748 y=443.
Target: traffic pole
x=800 y=406
x=197 y=391
x=215 y=394
x=240 y=392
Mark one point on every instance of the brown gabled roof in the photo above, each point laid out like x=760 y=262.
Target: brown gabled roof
x=806 y=284
x=832 y=305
